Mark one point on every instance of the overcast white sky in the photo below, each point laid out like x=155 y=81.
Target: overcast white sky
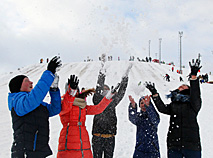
x=75 y=29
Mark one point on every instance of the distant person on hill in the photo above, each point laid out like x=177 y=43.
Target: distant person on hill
x=167 y=77
x=181 y=79
x=146 y=121
x=74 y=139
x=172 y=68
x=30 y=115
x=104 y=126
x=183 y=138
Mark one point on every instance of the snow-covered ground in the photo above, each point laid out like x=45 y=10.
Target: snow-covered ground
x=126 y=133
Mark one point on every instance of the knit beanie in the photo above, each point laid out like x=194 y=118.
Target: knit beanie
x=141 y=100
x=185 y=92
x=107 y=86
x=15 y=83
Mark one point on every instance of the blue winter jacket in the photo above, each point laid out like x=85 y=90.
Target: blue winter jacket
x=25 y=102
x=147 y=145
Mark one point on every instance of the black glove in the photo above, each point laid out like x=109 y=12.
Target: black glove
x=53 y=64
x=151 y=87
x=195 y=66
x=113 y=90
x=73 y=81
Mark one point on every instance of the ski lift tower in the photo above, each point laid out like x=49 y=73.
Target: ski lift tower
x=180 y=35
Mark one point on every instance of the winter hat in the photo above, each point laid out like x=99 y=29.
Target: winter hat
x=107 y=86
x=105 y=91
x=140 y=100
x=15 y=83
x=185 y=92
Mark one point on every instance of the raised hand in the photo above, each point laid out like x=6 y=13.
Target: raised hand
x=54 y=64
x=73 y=81
x=132 y=101
x=195 y=67
x=114 y=90
x=151 y=87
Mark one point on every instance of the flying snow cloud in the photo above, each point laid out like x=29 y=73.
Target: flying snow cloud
x=78 y=30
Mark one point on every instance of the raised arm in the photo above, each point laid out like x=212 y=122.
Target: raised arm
x=195 y=98
x=97 y=97
x=97 y=109
x=121 y=92
x=133 y=117
x=132 y=111
x=157 y=100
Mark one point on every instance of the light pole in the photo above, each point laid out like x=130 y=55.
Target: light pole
x=160 y=39
x=180 y=34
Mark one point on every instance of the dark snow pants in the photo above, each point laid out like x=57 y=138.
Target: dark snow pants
x=102 y=146
x=184 y=153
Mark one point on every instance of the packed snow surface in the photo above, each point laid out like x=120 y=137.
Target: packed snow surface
x=126 y=131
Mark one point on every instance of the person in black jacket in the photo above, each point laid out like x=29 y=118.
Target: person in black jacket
x=105 y=124
x=30 y=115
x=183 y=138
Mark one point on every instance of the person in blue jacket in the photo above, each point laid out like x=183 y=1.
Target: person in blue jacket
x=147 y=121
x=30 y=115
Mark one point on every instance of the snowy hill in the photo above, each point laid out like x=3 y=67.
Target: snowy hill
x=126 y=133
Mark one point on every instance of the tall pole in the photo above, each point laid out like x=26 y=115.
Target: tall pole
x=180 y=34
x=149 y=47
x=160 y=39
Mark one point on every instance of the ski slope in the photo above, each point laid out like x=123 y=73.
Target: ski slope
x=126 y=132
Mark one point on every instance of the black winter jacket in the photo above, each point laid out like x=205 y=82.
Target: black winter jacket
x=31 y=134
x=106 y=122
x=183 y=129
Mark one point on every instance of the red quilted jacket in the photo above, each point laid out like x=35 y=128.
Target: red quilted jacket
x=74 y=138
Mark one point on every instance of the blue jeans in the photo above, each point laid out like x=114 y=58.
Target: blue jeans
x=183 y=153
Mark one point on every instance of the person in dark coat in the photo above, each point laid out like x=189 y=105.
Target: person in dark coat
x=181 y=79
x=147 y=121
x=183 y=138
x=105 y=124
x=167 y=77
x=30 y=115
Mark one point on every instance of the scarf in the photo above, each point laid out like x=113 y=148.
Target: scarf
x=80 y=103
x=176 y=96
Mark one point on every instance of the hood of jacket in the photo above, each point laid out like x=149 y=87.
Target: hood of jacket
x=13 y=98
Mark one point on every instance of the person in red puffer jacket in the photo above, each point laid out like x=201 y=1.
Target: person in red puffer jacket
x=74 y=139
